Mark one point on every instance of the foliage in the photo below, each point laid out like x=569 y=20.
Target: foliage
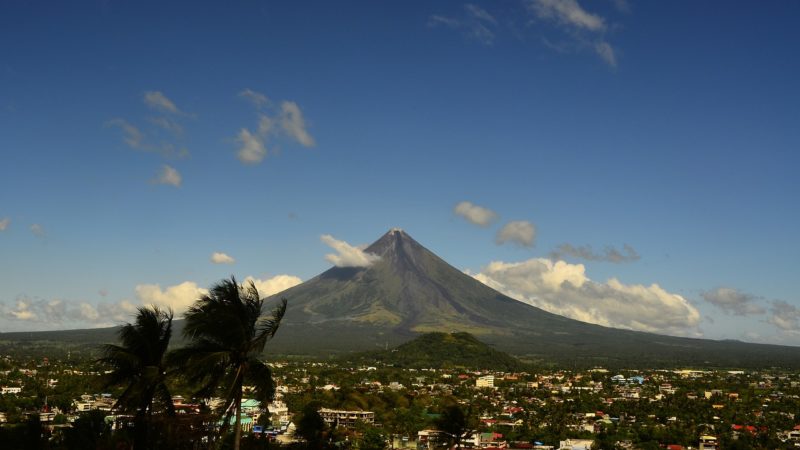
x=227 y=336
x=311 y=427
x=139 y=363
x=372 y=439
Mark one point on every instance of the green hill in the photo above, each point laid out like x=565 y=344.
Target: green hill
x=446 y=350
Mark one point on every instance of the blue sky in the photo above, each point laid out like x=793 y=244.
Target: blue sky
x=140 y=138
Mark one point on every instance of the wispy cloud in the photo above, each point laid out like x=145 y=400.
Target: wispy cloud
x=167 y=124
x=733 y=301
x=294 y=124
x=567 y=26
x=159 y=102
x=622 y=6
x=565 y=289
x=347 y=255
x=520 y=232
x=136 y=139
x=4 y=224
x=258 y=99
x=38 y=230
x=477 y=215
x=168 y=175
x=586 y=252
x=567 y=13
x=132 y=135
x=584 y=30
x=222 y=258
x=474 y=23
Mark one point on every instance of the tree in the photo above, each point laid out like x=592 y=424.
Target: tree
x=456 y=423
x=140 y=363
x=311 y=426
x=227 y=335
x=372 y=439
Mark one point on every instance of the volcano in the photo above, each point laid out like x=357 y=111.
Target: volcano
x=410 y=291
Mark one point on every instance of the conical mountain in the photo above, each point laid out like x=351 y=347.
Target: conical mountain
x=409 y=290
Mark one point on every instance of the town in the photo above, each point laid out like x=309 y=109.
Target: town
x=335 y=404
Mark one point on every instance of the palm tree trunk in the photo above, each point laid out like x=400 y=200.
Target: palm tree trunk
x=238 y=436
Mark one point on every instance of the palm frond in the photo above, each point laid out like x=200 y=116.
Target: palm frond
x=267 y=327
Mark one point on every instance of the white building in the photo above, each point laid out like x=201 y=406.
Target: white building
x=486 y=381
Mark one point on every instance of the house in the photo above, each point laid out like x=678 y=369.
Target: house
x=486 y=381
x=347 y=419
x=10 y=390
x=708 y=443
x=576 y=444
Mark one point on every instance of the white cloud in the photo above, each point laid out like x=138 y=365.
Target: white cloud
x=168 y=175
x=38 y=230
x=258 y=99
x=520 y=232
x=294 y=124
x=475 y=214
x=158 y=101
x=785 y=317
x=732 y=301
x=178 y=297
x=563 y=288
x=4 y=224
x=583 y=29
x=88 y=312
x=274 y=285
x=221 y=258
x=568 y=13
x=289 y=120
x=252 y=150
x=347 y=255
x=57 y=312
x=22 y=311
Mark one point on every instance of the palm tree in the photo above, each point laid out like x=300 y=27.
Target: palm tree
x=140 y=364
x=228 y=334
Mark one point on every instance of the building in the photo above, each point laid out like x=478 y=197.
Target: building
x=486 y=381
x=347 y=419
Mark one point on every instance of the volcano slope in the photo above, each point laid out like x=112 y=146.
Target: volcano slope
x=410 y=291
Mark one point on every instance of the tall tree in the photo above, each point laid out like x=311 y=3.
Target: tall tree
x=456 y=423
x=227 y=335
x=139 y=363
